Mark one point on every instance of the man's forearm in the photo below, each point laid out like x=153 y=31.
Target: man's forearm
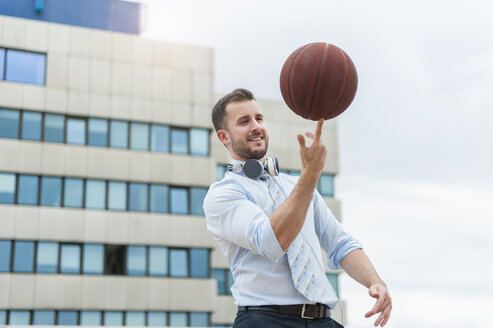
x=358 y=266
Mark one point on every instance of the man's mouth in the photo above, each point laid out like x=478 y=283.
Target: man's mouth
x=256 y=138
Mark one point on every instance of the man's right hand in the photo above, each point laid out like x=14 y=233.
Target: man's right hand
x=313 y=157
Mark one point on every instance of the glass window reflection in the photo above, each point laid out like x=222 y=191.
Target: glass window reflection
x=7 y=188
x=73 y=192
x=179 y=141
x=119 y=134
x=70 y=258
x=326 y=185
x=158 y=261
x=138 y=197
x=19 y=318
x=54 y=126
x=159 y=198
x=179 y=200
x=28 y=190
x=113 y=318
x=25 y=67
x=220 y=276
x=199 y=262
x=199 y=142
x=117 y=195
x=47 y=257
x=51 y=191
x=139 y=136
x=197 y=196
x=76 y=131
x=136 y=260
x=98 y=132
x=5 y=251
x=68 y=318
x=93 y=261
x=9 y=123
x=31 y=126
x=2 y=77
x=95 y=194
x=23 y=256
x=178 y=319
x=156 y=319
x=178 y=262
x=160 y=138
x=135 y=319
x=199 y=319
x=44 y=317
x=90 y=318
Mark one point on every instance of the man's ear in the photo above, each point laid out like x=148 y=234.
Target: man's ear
x=223 y=136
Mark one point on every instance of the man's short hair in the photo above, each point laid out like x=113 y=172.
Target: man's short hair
x=219 y=109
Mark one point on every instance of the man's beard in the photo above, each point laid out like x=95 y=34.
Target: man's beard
x=242 y=149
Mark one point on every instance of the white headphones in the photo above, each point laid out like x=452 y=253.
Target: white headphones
x=253 y=168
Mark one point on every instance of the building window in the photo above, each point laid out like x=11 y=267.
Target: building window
x=138 y=197
x=114 y=259
x=95 y=194
x=47 y=257
x=9 y=123
x=179 y=141
x=31 y=126
x=73 y=192
x=90 y=318
x=5 y=251
x=27 y=190
x=224 y=279
x=51 y=191
x=220 y=171
x=178 y=319
x=160 y=138
x=70 y=258
x=135 y=318
x=158 y=261
x=325 y=185
x=136 y=260
x=156 y=319
x=54 y=127
x=44 y=317
x=179 y=200
x=333 y=279
x=119 y=134
x=7 y=188
x=23 y=256
x=93 y=259
x=117 y=195
x=68 y=318
x=139 y=136
x=159 y=198
x=113 y=318
x=2 y=72
x=178 y=262
x=98 y=132
x=199 y=319
x=197 y=196
x=25 y=67
x=76 y=131
x=199 y=263
x=18 y=318
x=199 y=142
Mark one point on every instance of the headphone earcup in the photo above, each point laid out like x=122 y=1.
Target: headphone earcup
x=272 y=166
x=253 y=168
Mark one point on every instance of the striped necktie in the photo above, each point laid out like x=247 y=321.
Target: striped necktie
x=300 y=255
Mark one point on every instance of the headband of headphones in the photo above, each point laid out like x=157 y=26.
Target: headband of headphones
x=253 y=168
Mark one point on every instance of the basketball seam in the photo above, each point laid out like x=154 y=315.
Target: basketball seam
x=341 y=92
x=290 y=87
x=316 y=80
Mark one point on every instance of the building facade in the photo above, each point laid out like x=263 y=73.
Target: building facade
x=106 y=153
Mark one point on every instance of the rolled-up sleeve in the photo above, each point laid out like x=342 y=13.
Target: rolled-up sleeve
x=333 y=239
x=231 y=216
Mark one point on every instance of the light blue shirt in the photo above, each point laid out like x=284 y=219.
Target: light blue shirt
x=237 y=211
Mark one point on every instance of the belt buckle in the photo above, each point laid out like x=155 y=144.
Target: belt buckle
x=303 y=313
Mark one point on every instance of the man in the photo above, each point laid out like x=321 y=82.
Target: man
x=267 y=225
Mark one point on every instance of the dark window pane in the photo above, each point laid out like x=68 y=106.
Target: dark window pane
x=158 y=261
x=5 y=251
x=160 y=138
x=220 y=171
x=51 y=191
x=31 y=126
x=93 y=260
x=2 y=74
x=9 y=123
x=333 y=279
x=72 y=192
x=138 y=197
x=197 y=196
x=68 y=318
x=199 y=142
x=7 y=188
x=326 y=185
x=28 y=190
x=178 y=263
x=47 y=257
x=44 y=317
x=117 y=195
x=179 y=200
x=220 y=276
x=159 y=198
x=119 y=134
x=114 y=259
x=156 y=319
x=25 y=67
x=70 y=259
x=179 y=141
x=135 y=319
x=95 y=194
x=98 y=132
x=90 y=318
x=23 y=256
x=113 y=318
x=178 y=319
x=199 y=261
x=199 y=319
x=53 y=127
x=19 y=317
x=76 y=131
x=139 y=136
x=136 y=260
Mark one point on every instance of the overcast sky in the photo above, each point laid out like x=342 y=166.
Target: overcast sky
x=416 y=159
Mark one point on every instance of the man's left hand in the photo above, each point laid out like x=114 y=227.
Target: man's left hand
x=383 y=305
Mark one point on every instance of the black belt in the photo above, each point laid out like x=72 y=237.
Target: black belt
x=306 y=311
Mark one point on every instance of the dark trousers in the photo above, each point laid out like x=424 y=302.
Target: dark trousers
x=264 y=319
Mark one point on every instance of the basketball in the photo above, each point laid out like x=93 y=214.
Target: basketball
x=318 y=80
